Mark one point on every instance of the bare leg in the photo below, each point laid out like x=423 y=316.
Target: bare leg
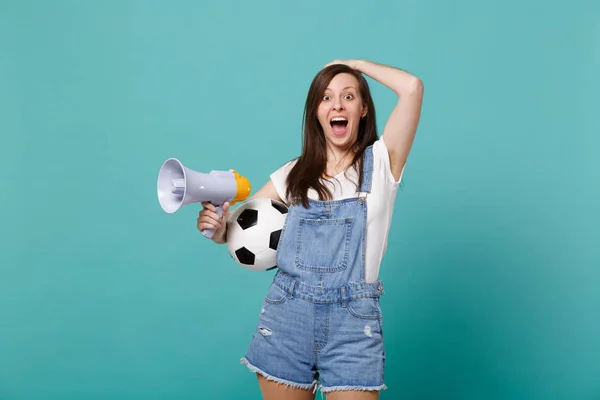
x=277 y=391
x=352 y=395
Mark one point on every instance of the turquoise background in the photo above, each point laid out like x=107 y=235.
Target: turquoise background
x=493 y=267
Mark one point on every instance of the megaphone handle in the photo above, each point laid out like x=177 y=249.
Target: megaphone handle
x=208 y=233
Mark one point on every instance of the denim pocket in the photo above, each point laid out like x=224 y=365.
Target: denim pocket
x=275 y=295
x=323 y=244
x=367 y=308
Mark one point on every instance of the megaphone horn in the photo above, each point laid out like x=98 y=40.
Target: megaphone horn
x=178 y=186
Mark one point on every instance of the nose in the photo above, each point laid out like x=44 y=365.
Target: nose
x=337 y=105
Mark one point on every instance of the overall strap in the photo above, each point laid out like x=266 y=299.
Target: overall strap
x=367 y=170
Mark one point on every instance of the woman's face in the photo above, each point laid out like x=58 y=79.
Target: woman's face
x=341 y=110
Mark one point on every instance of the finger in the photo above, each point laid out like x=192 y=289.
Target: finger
x=205 y=226
x=209 y=206
x=210 y=219
x=225 y=207
x=208 y=214
x=209 y=223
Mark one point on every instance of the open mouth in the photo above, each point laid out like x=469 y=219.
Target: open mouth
x=339 y=125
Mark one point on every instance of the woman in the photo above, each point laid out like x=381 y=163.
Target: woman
x=320 y=324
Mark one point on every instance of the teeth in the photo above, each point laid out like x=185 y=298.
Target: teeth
x=338 y=119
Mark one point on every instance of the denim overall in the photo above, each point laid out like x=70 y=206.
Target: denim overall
x=321 y=323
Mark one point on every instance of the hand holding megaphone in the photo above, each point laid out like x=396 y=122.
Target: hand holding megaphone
x=178 y=186
x=213 y=218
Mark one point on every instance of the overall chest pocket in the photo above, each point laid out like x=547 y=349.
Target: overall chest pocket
x=323 y=244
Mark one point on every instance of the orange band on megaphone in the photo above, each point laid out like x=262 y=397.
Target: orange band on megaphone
x=243 y=188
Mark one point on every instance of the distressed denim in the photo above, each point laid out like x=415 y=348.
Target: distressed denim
x=320 y=324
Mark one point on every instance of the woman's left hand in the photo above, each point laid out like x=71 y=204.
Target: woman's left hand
x=351 y=63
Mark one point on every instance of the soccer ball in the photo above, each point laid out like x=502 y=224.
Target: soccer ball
x=253 y=232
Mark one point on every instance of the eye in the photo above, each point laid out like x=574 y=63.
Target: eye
x=349 y=97
x=325 y=98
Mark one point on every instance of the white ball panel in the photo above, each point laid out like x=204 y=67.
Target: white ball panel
x=257 y=237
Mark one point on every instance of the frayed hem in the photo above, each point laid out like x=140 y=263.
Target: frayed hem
x=325 y=389
x=268 y=377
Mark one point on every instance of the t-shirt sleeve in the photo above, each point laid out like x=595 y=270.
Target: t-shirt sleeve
x=279 y=178
x=381 y=163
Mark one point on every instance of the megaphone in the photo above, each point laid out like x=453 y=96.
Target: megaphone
x=178 y=186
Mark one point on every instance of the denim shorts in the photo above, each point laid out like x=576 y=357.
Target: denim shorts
x=312 y=337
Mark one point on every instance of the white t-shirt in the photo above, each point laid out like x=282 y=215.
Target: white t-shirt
x=380 y=202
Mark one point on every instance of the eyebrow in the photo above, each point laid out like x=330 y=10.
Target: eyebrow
x=346 y=88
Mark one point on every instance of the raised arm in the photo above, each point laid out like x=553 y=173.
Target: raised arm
x=401 y=126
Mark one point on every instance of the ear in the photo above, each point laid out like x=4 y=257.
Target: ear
x=364 y=113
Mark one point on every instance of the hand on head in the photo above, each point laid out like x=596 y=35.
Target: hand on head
x=350 y=63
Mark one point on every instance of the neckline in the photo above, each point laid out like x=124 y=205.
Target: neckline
x=339 y=174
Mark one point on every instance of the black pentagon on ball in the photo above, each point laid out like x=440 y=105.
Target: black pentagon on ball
x=274 y=239
x=279 y=207
x=248 y=218
x=245 y=256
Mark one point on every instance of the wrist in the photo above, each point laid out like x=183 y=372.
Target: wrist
x=359 y=65
x=220 y=237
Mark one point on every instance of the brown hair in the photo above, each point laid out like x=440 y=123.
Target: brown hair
x=309 y=168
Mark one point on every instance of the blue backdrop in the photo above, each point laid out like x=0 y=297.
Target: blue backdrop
x=492 y=272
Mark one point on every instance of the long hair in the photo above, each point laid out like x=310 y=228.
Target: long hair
x=310 y=166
